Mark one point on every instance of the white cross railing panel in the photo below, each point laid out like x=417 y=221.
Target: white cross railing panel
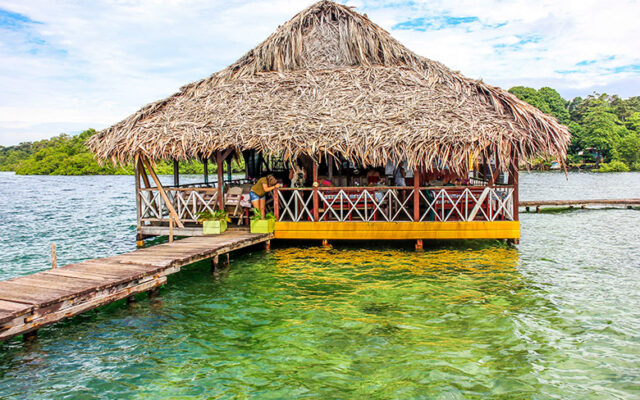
x=391 y=204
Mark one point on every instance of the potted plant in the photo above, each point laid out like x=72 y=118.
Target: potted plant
x=213 y=223
x=260 y=225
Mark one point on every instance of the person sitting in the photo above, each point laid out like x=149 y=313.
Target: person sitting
x=373 y=177
x=398 y=176
x=259 y=191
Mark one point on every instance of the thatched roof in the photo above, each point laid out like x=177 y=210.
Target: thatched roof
x=331 y=81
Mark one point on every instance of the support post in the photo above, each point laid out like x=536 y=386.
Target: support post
x=136 y=169
x=172 y=211
x=176 y=173
x=419 y=245
x=267 y=246
x=205 y=166
x=139 y=240
x=325 y=244
x=416 y=195
x=54 y=257
x=220 y=163
x=516 y=196
x=316 y=205
x=170 y=230
x=30 y=336
x=276 y=203
x=214 y=264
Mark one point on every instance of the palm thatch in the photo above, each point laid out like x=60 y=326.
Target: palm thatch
x=330 y=81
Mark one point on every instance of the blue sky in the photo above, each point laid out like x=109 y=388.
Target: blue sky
x=69 y=65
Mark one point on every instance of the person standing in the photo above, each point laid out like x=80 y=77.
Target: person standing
x=259 y=191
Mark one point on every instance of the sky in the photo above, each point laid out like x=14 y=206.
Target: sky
x=69 y=65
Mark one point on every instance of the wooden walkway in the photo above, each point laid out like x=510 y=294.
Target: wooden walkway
x=629 y=203
x=30 y=302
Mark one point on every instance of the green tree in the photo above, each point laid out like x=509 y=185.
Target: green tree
x=556 y=104
x=531 y=96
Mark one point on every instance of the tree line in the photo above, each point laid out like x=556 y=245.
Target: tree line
x=68 y=155
x=605 y=133
x=603 y=128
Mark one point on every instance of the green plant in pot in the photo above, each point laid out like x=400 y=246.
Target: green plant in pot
x=213 y=223
x=260 y=225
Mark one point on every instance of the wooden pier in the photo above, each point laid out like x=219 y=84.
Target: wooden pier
x=30 y=302
x=627 y=203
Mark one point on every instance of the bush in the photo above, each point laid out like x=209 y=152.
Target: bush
x=614 y=166
x=635 y=166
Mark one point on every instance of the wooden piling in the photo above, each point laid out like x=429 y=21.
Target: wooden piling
x=54 y=257
x=419 y=245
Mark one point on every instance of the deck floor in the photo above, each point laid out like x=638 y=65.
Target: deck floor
x=30 y=302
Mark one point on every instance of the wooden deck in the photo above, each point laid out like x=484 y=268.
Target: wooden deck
x=628 y=203
x=30 y=302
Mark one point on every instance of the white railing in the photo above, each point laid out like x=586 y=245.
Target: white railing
x=392 y=204
x=187 y=202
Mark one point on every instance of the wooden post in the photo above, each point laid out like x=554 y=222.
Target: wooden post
x=325 y=244
x=176 y=173
x=419 y=245
x=220 y=162
x=30 y=336
x=516 y=197
x=416 y=195
x=170 y=230
x=316 y=208
x=205 y=166
x=214 y=264
x=229 y=168
x=54 y=257
x=138 y=201
x=276 y=203
x=172 y=211
x=267 y=246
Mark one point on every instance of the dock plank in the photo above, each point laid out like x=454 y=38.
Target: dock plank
x=33 y=301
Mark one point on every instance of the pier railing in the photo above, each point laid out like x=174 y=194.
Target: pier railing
x=187 y=201
x=391 y=204
x=370 y=204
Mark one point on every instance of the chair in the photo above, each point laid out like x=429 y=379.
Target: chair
x=232 y=203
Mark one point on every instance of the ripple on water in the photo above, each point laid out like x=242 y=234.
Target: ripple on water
x=555 y=318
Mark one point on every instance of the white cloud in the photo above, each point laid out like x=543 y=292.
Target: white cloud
x=90 y=64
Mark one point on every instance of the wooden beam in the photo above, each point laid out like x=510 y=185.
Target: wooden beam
x=316 y=205
x=416 y=195
x=172 y=211
x=138 y=203
x=176 y=173
x=205 y=165
x=143 y=173
x=513 y=180
x=220 y=162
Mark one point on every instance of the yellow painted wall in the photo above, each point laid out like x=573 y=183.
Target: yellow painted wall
x=398 y=230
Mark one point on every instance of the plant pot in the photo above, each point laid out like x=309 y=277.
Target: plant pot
x=213 y=227
x=263 y=226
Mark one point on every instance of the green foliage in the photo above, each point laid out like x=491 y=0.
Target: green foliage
x=531 y=96
x=217 y=215
x=614 y=166
x=627 y=149
x=257 y=215
x=68 y=155
x=605 y=124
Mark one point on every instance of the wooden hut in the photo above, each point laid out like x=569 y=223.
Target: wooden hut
x=335 y=90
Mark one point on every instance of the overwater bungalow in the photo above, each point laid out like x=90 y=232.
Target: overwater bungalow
x=393 y=145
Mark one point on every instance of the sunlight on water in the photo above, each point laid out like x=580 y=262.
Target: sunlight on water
x=557 y=317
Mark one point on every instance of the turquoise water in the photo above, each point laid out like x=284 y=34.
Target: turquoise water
x=556 y=317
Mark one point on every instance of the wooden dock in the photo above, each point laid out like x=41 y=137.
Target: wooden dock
x=627 y=203
x=30 y=302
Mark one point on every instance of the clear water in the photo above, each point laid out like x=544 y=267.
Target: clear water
x=557 y=317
